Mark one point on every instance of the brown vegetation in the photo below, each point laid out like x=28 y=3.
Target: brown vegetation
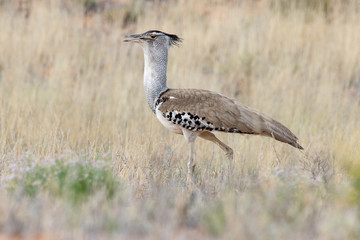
x=71 y=91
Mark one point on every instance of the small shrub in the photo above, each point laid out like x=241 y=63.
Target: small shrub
x=75 y=181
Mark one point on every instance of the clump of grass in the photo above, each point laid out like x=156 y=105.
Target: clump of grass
x=214 y=219
x=74 y=181
x=354 y=172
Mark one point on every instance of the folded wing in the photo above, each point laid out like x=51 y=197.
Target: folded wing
x=221 y=113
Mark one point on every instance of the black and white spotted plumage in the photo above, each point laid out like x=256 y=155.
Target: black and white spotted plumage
x=191 y=121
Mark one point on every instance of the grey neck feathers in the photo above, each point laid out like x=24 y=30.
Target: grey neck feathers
x=155 y=74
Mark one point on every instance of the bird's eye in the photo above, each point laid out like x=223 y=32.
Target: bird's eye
x=153 y=36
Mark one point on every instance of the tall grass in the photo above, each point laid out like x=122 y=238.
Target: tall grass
x=71 y=89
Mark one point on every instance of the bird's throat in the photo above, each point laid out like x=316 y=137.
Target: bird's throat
x=155 y=76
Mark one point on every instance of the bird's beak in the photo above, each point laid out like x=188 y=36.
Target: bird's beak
x=136 y=38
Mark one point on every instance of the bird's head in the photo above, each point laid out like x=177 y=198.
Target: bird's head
x=154 y=39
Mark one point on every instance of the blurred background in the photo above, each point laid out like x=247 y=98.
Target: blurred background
x=83 y=157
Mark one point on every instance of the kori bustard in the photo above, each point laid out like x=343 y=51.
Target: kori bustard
x=196 y=112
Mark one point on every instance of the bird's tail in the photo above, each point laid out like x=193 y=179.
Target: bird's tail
x=261 y=124
x=281 y=133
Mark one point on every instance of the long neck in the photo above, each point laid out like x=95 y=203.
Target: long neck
x=155 y=74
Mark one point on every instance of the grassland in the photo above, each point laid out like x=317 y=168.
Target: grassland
x=82 y=156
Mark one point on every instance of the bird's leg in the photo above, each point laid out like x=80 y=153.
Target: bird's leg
x=211 y=137
x=191 y=163
x=228 y=151
x=190 y=138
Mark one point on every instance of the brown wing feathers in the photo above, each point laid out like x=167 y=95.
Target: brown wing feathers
x=221 y=113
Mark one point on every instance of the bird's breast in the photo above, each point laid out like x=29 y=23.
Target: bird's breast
x=168 y=124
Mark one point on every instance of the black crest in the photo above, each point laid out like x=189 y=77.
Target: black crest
x=174 y=39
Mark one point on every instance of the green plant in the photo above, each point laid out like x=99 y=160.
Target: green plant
x=73 y=181
x=215 y=219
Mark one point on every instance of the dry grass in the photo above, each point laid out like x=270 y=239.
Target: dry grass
x=71 y=91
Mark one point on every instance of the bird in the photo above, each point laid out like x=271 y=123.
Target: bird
x=196 y=112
